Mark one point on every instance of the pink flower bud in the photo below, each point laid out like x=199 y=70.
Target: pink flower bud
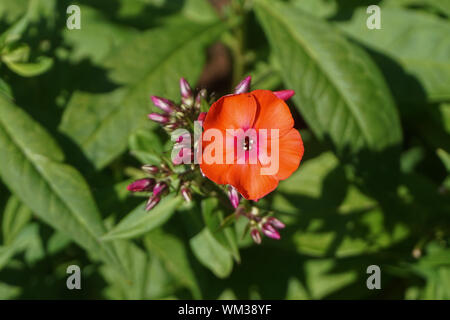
x=159 y=188
x=186 y=193
x=284 y=94
x=141 y=185
x=158 y=117
x=276 y=223
x=202 y=116
x=243 y=86
x=198 y=99
x=150 y=168
x=152 y=202
x=256 y=236
x=233 y=195
x=171 y=126
x=185 y=89
x=164 y=104
x=270 y=231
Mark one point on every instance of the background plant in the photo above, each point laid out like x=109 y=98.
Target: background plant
x=373 y=107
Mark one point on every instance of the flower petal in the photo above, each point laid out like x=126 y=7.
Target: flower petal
x=217 y=173
x=247 y=179
x=273 y=113
x=291 y=153
x=231 y=112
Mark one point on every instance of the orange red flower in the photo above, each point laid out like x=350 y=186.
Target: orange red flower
x=257 y=110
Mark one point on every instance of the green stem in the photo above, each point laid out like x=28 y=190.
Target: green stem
x=238 y=56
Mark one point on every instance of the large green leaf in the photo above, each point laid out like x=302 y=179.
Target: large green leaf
x=140 y=221
x=213 y=250
x=418 y=41
x=213 y=216
x=149 y=64
x=211 y=253
x=442 y=6
x=97 y=38
x=334 y=216
x=32 y=166
x=135 y=260
x=339 y=90
x=173 y=254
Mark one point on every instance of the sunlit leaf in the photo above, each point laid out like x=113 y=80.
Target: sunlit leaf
x=211 y=253
x=214 y=218
x=339 y=90
x=32 y=166
x=31 y=69
x=173 y=254
x=418 y=41
x=140 y=221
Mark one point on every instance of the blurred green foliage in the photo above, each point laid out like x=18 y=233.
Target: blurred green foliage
x=372 y=106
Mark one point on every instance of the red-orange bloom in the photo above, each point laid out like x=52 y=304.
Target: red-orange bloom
x=259 y=109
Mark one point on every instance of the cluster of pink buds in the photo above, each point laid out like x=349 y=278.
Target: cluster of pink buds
x=150 y=185
x=267 y=225
x=174 y=115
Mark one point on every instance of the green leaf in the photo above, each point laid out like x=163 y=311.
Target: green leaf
x=150 y=64
x=8 y=291
x=172 y=252
x=442 y=6
x=322 y=280
x=339 y=90
x=146 y=146
x=15 y=217
x=31 y=69
x=199 y=10
x=17 y=53
x=205 y=246
x=135 y=260
x=445 y=158
x=32 y=167
x=97 y=38
x=140 y=221
x=211 y=253
x=319 y=8
x=418 y=41
x=5 y=89
x=434 y=267
x=331 y=212
x=15 y=31
x=20 y=243
x=213 y=216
